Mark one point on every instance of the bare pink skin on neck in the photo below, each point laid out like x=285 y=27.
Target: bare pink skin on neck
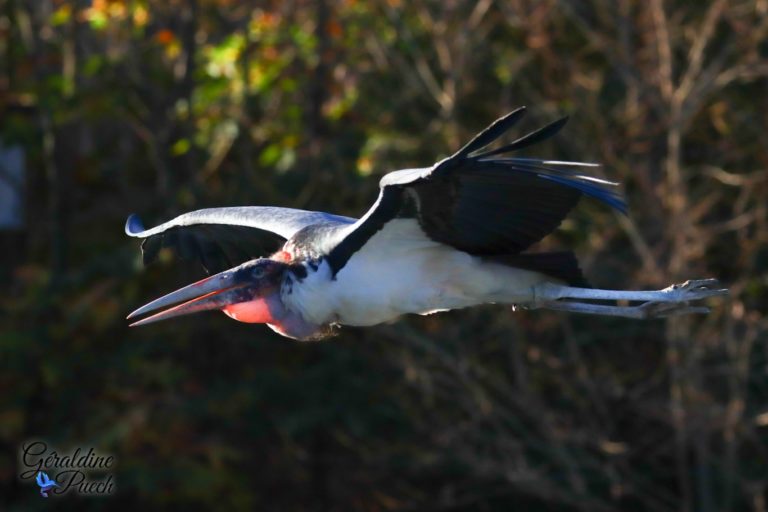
x=268 y=309
x=252 y=312
x=283 y=256
x=261 y=310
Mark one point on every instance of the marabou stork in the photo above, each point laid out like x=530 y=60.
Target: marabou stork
x=448 y=236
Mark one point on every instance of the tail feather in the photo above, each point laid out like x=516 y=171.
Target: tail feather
x=561 y=265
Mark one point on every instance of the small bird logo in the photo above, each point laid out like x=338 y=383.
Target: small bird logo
x=45 y=483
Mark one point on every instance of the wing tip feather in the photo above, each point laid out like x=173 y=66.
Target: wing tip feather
x=134 y=226
x=492 y=132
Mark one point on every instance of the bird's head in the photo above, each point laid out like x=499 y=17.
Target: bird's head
x=248 y=293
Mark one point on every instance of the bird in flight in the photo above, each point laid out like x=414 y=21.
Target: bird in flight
x=449 y=236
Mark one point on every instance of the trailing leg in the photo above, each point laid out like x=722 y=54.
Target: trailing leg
x=643 y=311
x=673 y=300
x=689 y=290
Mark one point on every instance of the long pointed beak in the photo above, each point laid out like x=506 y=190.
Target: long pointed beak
x=214 y=292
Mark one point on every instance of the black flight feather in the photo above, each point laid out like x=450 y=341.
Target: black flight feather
x=490 y=134
x=530 y=139
x=482 y=205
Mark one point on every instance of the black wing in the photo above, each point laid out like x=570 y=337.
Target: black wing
x=221 y=238
x=480 y=203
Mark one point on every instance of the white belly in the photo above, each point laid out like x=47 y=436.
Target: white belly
x=400 y=271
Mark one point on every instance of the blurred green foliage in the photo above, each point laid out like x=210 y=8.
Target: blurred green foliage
x=161 y=107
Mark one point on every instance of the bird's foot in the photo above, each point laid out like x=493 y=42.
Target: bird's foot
x=679 y=297
x=694 y=289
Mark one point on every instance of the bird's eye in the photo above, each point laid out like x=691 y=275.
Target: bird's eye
x=258 y=272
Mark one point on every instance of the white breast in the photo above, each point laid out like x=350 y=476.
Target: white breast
x=401 y=271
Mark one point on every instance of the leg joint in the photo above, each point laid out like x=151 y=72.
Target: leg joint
x=546 y=292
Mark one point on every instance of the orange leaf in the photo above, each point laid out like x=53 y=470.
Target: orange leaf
x=165 y=36
x=334 y=29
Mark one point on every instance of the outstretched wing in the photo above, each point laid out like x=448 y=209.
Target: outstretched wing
x=479 y=202
x=221 y=238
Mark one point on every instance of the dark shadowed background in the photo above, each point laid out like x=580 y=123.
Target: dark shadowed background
x=109 y=107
